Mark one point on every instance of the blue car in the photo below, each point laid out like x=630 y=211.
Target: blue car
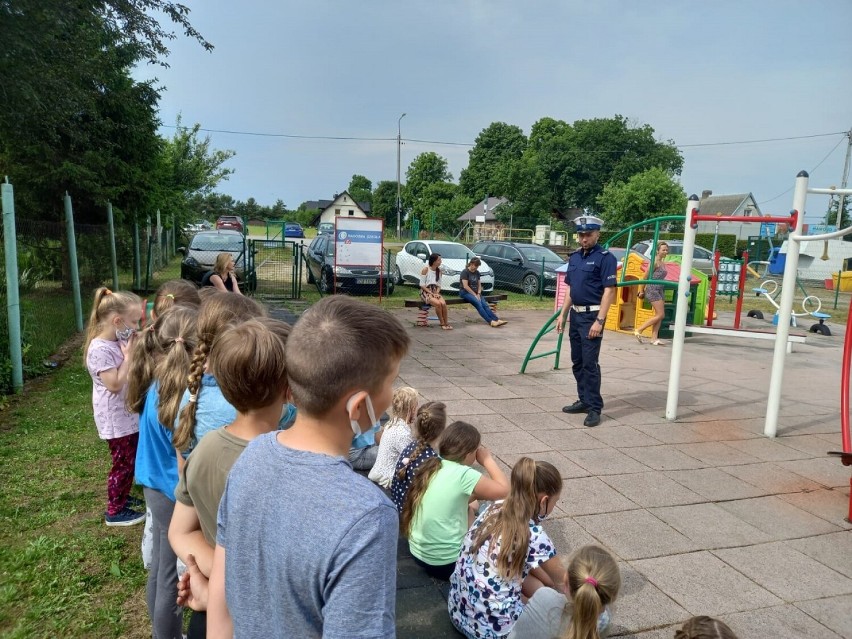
x=291 y=229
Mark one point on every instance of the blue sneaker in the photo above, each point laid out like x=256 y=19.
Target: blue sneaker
x=125 y=517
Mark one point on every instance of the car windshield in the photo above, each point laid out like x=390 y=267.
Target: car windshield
x=452 y=251
x=292 y=226
x=219 y=243
x=539 y=253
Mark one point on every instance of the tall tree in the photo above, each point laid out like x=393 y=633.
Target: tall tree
x=384 y=202
x=361 y=189
x=644 y=195
x=427 y=168
x=491 y=161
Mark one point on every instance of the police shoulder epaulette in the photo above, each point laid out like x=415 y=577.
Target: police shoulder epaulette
x=605 y=252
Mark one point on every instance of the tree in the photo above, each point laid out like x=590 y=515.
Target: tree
x=498 y=147
x=439 y=207
x=831 y=215
x=644 y=195
x=384 y=202
x=361 y=189
x=427 y=168
x=278 y=211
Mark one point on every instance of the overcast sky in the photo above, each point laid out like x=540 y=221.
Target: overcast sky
x=698 y=72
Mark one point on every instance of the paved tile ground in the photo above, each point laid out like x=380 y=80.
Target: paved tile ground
x=705 y=515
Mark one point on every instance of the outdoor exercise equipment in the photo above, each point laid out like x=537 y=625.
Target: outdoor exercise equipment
x=769 y=290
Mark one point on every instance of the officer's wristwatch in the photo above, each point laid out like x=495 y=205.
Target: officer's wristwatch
x=600 y=320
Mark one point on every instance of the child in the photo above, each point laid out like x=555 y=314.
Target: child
x=175 y=293
x=704 y=627
x=305 y=547
x=396 y=435
x=165 y=347
x=507 y=554
x=112 y=327
x=248 y=362
x=430 y=423
x=592 y=583
x=435 y=516
x=202 y=406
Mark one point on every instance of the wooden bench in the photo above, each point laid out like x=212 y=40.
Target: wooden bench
x=423 y=316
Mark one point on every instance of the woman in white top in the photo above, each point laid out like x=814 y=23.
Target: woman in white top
x=395 y=436
x=430 y=289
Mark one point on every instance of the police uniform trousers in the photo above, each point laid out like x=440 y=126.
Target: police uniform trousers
x=584 y=357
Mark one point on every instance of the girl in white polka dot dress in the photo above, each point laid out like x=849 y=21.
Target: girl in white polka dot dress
x=430 y=422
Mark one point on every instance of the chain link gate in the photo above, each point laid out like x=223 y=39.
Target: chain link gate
x=275 y=268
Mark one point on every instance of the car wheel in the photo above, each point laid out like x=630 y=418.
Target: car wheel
x=397 y=275
x=326 y=283
x=530 y=284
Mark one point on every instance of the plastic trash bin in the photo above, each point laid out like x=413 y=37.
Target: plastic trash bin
x=777 y=260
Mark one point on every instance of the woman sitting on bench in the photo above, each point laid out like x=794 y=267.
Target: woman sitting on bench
x=430 y=289
x=471 y=291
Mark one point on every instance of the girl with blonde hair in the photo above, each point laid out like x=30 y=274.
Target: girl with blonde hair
x=654 y=294
x=592 y=582
x=396 y=435
x=506 y=555
x=112 y=328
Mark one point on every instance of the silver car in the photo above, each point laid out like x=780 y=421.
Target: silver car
x=201 y=254
x=702 y=259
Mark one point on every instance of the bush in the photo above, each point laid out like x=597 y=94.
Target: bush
x=727 y=244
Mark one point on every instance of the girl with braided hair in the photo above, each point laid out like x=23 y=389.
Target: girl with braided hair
x=704 y=627
x=175 y=293
x=507 y=555
x=430 y=422
x=203 y=407
x=592 y=582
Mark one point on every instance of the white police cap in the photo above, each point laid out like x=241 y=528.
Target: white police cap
x=586 y=223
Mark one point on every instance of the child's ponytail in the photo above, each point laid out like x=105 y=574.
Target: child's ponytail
x=510 y=522
x=140 y=373
x=178 y=341
x=593 y=583
x=458 y=441
x=429 y=423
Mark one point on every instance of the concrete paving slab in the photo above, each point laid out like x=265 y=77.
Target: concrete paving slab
x=623 y=437
x=779 y=622
x=716 y=454
x=567 y=469
x=569 y=439
x=422 y=612
x=717 y=430
x=492 y=423
x=768 y=449
x=590 y=495
x=704 y=585
x=826 y=471
x=771 y=478
x=512 y=406
x=464 y=407
x=778 y=518
x=714 y=484
x=785 y=571
x=659 y=633
x=635 y=534
x=664 y=457
x=827 y=503
x=833 y=550
x=605 y=461
x=833 y=612
x=813 y=446
x=444 y=393
x=513 y=442
x=568 y=536
x=541 y=390
x=652 y=489
x=641 y=605
x=542 y=421
x=671 y=433
x=709 y=526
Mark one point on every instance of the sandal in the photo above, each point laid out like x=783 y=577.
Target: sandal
x=446 y=327
x=638 y=337
x=658 y=342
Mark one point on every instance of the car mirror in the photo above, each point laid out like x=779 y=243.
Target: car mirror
x=518 y=260
x=423 y=256
x=181 y=250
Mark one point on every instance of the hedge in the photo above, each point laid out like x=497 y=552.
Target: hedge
x=726 y=243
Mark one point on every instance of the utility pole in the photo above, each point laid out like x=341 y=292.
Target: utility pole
x=845 y=178
x=398 y=195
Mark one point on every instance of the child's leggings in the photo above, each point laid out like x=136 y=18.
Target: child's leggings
x=120 y=478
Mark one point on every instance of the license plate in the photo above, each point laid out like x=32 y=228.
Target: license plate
x=365 y=281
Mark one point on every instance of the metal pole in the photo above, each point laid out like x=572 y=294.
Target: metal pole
x=174 y=236
x=398 y=188
x=785 y=308
x=137 y=260
x=681 y=310
x=72 y=258
x=112 y=256
x=13 y=303
x=844 y=178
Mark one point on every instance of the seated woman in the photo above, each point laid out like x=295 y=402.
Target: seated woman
x=430 y=289
x=471 y=291
x=222 y=276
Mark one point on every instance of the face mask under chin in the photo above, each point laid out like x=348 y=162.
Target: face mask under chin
x=356 y=427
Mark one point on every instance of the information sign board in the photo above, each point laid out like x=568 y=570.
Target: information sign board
x=358 y=241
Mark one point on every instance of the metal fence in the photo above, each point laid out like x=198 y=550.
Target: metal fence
x=275 y=268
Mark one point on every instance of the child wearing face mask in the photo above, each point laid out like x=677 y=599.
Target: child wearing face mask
x=506 y=555
x=249 y=364
x=305 y=547
x=437 y=512
x=112 y=328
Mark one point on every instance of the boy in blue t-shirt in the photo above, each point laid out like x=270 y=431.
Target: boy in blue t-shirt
x=305 y=546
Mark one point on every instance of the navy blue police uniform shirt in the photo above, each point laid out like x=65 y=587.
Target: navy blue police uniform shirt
x=588 y=275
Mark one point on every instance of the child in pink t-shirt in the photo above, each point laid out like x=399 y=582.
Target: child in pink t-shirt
x=112 y=327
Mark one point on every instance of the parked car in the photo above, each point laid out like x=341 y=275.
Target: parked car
x=454 y=258
x=229 y=223
x=203 y=249
x=518 y=265
x=198 y=225
x=291 y=229
x=325 y=227
x=702 y=259
x=340 y=279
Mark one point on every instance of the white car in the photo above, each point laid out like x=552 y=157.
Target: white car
x=454 y=258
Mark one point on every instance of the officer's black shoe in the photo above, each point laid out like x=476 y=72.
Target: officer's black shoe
x=576 y=407
x=592 y=419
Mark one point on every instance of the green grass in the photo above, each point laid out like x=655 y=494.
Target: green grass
x=64 y=573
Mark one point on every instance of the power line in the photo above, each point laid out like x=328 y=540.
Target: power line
x=794 y=137
x=834 y=148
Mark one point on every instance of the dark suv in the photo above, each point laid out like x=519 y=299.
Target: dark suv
x=518 y=265
x=333 y=279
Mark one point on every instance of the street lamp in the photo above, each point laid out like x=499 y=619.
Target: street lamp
x=398 y=198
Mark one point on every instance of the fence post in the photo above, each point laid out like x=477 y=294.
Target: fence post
x=112 y=256
x=174 y=236
x=137 y=260
x=72 y=258
x=158 y=233
x=13 y=304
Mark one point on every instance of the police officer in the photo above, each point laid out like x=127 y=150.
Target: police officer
x=591 y=291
